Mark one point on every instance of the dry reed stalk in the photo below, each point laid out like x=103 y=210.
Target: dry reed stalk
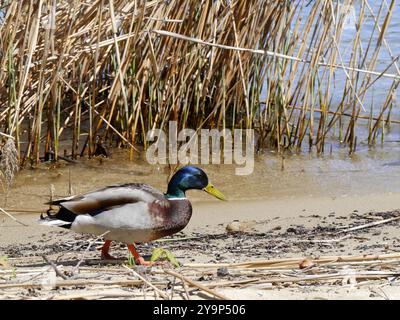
x=288 y=262
x=69 y=283
x=196 y=284
x=12 y=217
x=117 y=69
x=151 y=285
x=369 y=225
x=83 y=255
x=95 y=295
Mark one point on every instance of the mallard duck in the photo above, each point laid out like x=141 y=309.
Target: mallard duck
x=133 y=212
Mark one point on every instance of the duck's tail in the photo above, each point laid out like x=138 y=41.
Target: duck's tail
x=56 y=219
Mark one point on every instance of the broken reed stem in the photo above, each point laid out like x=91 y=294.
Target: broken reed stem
x=91 y=243
x=6 y=135
x=71 y=283
x=274 y=54
x=369 y=225
x=196 y=284
x=339 y=275
x=12 y=217
x=55 y=268
x=161 y=293
x=342 y=114
x=289 y=262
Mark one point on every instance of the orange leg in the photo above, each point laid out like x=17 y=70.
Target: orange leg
x=138 y=259
x=104 y=251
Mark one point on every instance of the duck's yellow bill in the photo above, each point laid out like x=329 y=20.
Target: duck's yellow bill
x=210 y=189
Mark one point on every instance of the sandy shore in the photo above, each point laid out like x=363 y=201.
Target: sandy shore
x=280 y=219
x=289 y=228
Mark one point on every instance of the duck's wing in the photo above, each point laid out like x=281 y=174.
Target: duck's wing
x=104 y=199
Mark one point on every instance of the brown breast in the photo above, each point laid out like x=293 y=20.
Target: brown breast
x=170 y=220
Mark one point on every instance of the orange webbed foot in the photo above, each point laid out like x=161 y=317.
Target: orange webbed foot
x=107 y=256
x=138 y=259
x=104 y=251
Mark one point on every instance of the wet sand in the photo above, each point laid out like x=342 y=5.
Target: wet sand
x=213 y=216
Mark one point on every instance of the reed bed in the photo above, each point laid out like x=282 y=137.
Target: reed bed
x=75 y=72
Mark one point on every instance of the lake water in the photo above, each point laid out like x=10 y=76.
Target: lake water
x=377 y=94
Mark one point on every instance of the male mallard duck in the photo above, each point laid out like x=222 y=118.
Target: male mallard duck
x=132 y=212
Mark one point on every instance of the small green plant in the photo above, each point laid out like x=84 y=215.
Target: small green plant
x=161 y=253
x=4 y=263
x=131 y=260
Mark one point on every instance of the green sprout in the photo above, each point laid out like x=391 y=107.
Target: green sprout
x=5 y=264
x=161 y=253
x=131 y=260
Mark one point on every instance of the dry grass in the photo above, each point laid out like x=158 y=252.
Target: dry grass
x=55 y=282
x=117 y=68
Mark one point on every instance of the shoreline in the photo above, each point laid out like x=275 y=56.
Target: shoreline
x=213 y=216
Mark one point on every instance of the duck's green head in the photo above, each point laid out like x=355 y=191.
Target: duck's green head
x=190 y=177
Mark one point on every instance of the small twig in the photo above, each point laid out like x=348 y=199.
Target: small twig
x=115 y=130
x=196 y=284
x=58 y=272
x=326 y=240
x=179 y=239
x=232 y=283
x=52 y=189
x=70 y=283
x=25 y=210
x=165 y=20
x=94 y=295
x=172 y=289
x=69 y=182
x=186 y=290
x=382 y=293
x=87 y=249
x=161 y=293
x=67 y=159
x=6 y=135
x=13 y=218
x=369 y=225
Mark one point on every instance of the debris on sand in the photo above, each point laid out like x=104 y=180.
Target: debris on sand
x=222 y=265
x=239 y=226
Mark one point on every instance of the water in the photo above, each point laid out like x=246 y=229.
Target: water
x=370 y=171
x=377 y=94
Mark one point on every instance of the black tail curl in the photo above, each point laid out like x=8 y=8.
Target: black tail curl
x=62 y=214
